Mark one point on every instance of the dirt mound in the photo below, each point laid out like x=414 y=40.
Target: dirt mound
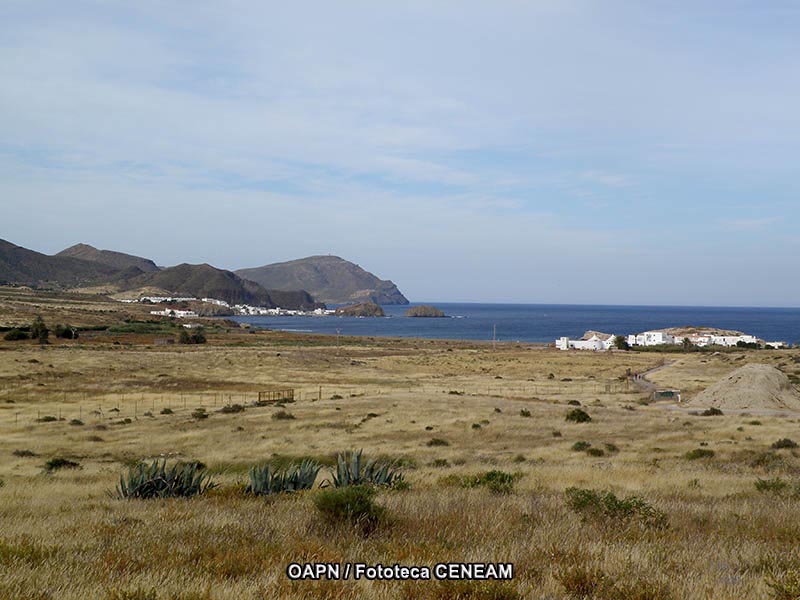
x=753 y=386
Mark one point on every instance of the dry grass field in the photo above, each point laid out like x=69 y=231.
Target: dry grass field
x=100 y=402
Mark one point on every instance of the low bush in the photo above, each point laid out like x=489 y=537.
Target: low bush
x=57 y=463
x=595 y=452
x=76 y=422
x=265 y=480
x=581 y=446
x=47 y=419
x=497 y=482
x=577 y=415
x=15 y=335
x=156 y=480
x=167 y=411
x=24 y=453
x=354 y=505
x=784 y=584
x=440 y=462
x=524 y=412
x=711 y=412
x=604 y=507
x=574 y=403
x=438 y=442
x=784 y=443
x=231 y=409
x=283 y=415
x=776 y=485
x=199 y=414
x=699 y=453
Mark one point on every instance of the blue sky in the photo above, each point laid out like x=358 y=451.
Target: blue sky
x=552 y=151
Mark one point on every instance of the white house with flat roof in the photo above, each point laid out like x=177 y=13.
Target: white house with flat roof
x=591 y=340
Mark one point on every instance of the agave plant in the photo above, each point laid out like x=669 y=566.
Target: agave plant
x=156 y=480
x=352 y=470
x=264 y=480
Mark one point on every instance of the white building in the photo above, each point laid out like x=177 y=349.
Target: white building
x=215 y=301
x=172 y=312
x=651 y=338
x=591 y=340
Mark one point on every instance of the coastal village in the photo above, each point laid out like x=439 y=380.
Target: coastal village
x=238 y=309
x=699 y=337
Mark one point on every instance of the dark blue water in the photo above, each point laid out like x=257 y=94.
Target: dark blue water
x=546 y=322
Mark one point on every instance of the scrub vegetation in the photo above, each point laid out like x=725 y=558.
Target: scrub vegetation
x=166 y=492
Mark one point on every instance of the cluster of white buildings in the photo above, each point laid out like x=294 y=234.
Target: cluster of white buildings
x=174 y=312
x=594 y=340
x=246 y=309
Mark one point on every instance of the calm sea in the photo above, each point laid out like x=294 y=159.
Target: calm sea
x=545 y=322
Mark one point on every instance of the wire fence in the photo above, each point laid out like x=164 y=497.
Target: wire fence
x=23 y=406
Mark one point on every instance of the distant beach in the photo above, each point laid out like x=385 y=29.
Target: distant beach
x=543 y=323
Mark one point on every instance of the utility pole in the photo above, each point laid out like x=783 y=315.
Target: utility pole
x=338 y=331
x=494 y=336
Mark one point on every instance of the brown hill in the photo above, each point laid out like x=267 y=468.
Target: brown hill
x=119 y=260
x=329 y=279
x=27 y=267
x=205 y=281
x=753 y=386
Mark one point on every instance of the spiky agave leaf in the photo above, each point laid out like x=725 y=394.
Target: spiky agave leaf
x=157 y=481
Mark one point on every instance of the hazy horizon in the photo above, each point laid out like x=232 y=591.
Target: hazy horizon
x=551 y=152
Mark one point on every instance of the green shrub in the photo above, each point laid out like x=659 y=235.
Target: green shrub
x=581 y=446
x=77 y=422
x=15 y=335
x=231 y=409
x=197 y=336
x=776 y=485
x=595 y=452
x=438 y=442
x=711 y=412
x=605 y=507
x=336 y=397
x=497 y=482
x=283 y=415
x=699 y=453
x=524 y=412
x=24 y=453
x=156 y=480
x=783 y=444
x=573 y=403
x=57 y=463
x=265 y=481
x=47 y=419
x=199 y=414
x=440 y=462
x=167 y=411
x=351 y=470
x=555 y=433
x=784 y=584
x=577 y=415
x=66 y=332
x=611 y=447
x=476 y=425
x=354 y=505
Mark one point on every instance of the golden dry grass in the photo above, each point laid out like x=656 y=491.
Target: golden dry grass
x=63 y=536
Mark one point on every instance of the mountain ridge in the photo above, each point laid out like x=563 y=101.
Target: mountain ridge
x=328 y=278
x=112 y=258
